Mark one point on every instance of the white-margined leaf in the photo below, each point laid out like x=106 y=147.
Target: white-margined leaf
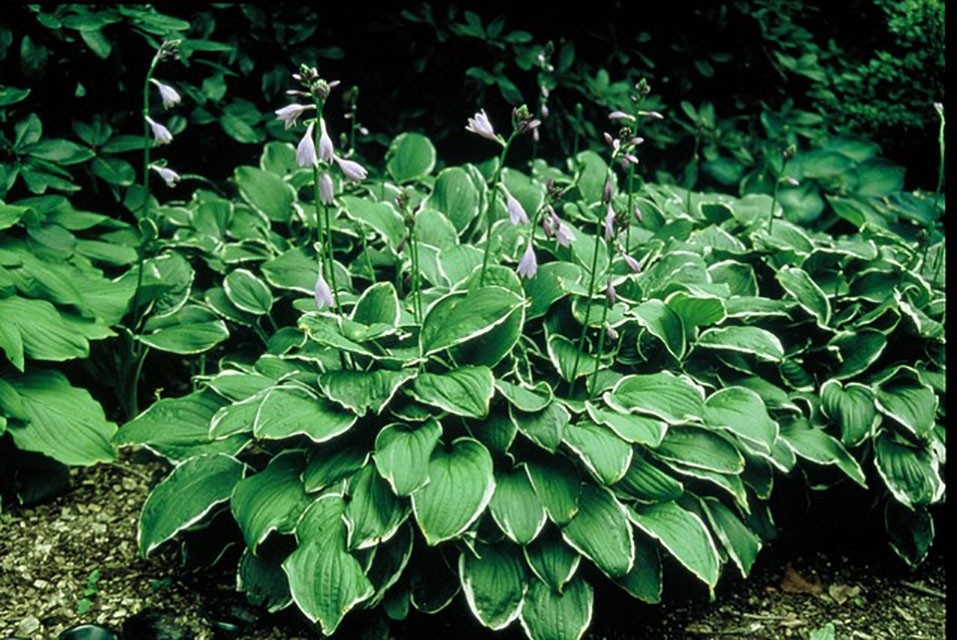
x=494 y=582
x=684 y=535
x=460 y=486
x=402 y=455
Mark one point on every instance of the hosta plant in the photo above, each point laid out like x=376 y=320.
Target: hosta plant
x=518 y=384
x=56 y=300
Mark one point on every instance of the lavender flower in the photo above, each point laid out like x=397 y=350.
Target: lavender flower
x=326 y=150
x=289 y=114
x=327 y=190
x=306 y=149
x=528 y=265
x=516 y=213
x=564 y=235
x=638 y=215
x=479 y=124
x=611 y=293
x=352 y=170
x=609 y=223
x=323 y=292
x=549 y=226
x=161 y=134
x=168 y=94
x=621 y=115
x=632 y=263
x=168 y=176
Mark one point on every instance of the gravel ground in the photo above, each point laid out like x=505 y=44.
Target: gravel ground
x=74 y=560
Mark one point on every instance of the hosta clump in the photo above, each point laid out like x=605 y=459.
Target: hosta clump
x=456 y=428
x=55 y=301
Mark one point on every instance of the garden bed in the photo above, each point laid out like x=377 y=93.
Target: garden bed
x=48 y=552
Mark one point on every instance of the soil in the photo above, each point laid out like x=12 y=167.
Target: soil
x=48 y=553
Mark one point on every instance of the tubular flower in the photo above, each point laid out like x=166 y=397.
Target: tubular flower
x=306 y=150
x=609 y=223
x=327 y=190
x=323 y=293
x=621 y=115
x=516 y=213
x=351 y=169
x=632 y=263
x=564 y=235
x=169 y=176
x=161 y=134
x=289 y=114
x=479 y=124
x=168 y=94
x=611 y=293
x=528 y=265
x=326 y=150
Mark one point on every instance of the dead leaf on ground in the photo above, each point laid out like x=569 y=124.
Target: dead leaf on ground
x=841 y=593
x=792 y=621
x=794 y=582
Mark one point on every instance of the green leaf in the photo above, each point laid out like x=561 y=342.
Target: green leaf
x=331 y=463
x=553 y=561
x=325 y=331
x=600 y=531
x=187 y=338
x=742 y=412
x=493 y=579
x=738 y=540
x=379 y=304
x=248 y=292
x=558 y=486
x=852 y=408
x=185 y=497
x=911 y=404
x=410 y=156
x=648 y=483
x=700 y=448
x=178 y=428
x=549 y=285
x=564 y=355
x=261 y=578
x=34 y=328
x=265 y=192
x=630 y=428
x=664 y=395
x=815 y=445
x=879 y=177
x=751 y=340
x=402 y=455
x=287 y=412
x=644 y=580
x=374 y=513
x=695 y=310
x=58 y=420
x=360 y=391
x=465 y=391
x=910 y=532
x=525 y=398
x=326 y=581
x=271 y=500
x=684 y=535
x=661 y=321
x=515 y=507
x=461 y=484
x=547 y=615
x=605 y=455
x=456 y=196
x=859 y=350
x=806 y=292
x=911 y=474
x=380 y=216
x=457 y=318
x=545 y=428
x=292 y=269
